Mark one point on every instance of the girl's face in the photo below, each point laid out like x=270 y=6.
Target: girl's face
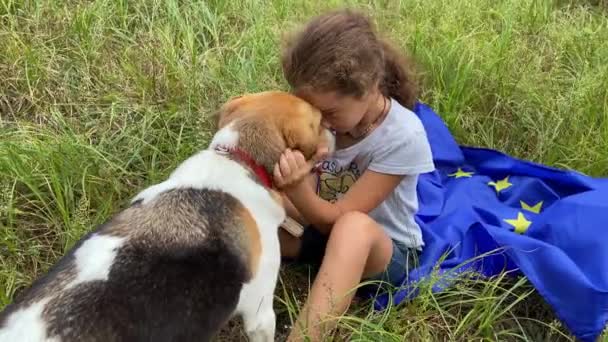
x=341 y=113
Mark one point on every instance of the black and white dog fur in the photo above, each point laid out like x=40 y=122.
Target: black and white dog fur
x=188 y=253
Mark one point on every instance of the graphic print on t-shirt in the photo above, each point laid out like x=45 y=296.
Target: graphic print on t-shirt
x=336 y=180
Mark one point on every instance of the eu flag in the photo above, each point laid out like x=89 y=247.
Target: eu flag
x=548 y=223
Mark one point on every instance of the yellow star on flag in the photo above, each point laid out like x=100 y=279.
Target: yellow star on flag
x=501 y=184
x=520 y=224
x=535 y=208
x=459 y=174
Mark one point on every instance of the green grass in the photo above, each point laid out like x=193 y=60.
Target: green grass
x=101 y=98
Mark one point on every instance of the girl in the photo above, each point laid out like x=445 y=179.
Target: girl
x=359 y=211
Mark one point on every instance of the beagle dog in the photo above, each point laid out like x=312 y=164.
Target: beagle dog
x=189 y=253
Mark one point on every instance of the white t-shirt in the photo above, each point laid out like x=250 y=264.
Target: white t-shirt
x=398 y=146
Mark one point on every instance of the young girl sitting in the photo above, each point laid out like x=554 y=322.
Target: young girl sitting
x=359 y=211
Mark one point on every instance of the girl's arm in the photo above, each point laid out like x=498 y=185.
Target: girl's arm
x=365 y=194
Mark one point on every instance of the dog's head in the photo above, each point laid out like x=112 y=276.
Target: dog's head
x=265 y=124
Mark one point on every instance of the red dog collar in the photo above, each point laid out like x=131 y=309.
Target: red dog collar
x=260 y=171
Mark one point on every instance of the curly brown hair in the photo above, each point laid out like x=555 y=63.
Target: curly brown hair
x=341 y=51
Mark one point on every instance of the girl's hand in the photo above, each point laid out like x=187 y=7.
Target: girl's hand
x=293 y=168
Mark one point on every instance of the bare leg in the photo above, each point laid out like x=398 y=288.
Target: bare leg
x=357 y=247
x=290 y=245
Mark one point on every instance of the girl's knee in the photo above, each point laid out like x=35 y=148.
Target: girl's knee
x=354 y=218
x=351 y=230
x=290 y=245
x=354 y=222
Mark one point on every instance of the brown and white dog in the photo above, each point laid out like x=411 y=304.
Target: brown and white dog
x=190 y=252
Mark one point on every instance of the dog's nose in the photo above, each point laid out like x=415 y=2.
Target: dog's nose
x=325 y=124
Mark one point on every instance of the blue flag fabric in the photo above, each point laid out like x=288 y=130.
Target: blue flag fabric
x=548 y=224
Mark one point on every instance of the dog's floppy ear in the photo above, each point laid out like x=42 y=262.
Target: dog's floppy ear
x=302 y=133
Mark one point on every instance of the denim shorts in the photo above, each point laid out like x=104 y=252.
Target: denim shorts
x=402 y=260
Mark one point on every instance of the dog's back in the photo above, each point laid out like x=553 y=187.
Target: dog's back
x=170 y=270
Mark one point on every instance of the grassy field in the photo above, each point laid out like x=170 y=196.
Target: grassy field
x=101 y=98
